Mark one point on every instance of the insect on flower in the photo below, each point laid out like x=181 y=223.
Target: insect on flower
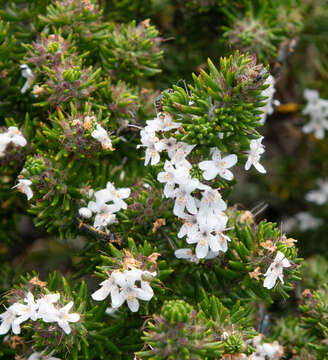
x=261 y=76
x=159 y=100
x=97 y=234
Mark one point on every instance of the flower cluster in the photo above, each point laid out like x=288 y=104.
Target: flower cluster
x=319 y=196
x=11 y=136
x=105 y=213
x=41 y=309
x=129 y=284
x=317 y=109
x=199 y=205
x=81 y=131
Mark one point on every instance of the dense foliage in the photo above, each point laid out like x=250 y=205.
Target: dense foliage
x=158 y=161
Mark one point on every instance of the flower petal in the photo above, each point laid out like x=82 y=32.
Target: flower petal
x=270 y=281
x=101 y=294
x=230 y=160
x=73 y=317
x=202 y=249
x=259 y=167
x=133 y=304
x=65 y=326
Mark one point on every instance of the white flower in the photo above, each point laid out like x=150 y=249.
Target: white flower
x=163 y=122
x=184 y=199
x=42 y=356
x=317 y=109
x=63 y=317
x=273 y=351
x=316 y=196
x=319 y=196
x=179 y=153
x=12 y=135
x=122 y=287
x=275 y=270
x=129 y=292
x=307 y=221
x=167 y=122
x=186 y=254
x=23 y=186
x=8 y=321
x=316 y=125
x=268 y=109
x=168 y=176
x=312 y=97
x=254 y=155
x=108 y=286
x=190 y=226
x=28 y=75
x=218 y=166
x=170 y=145
x=28 y=311
x=184 y=147
x=222 y=239
x=268 y=351
x=4 y=141
x=149 y=140
x=45 y=304
x=112 y=194
x=105 y=213
x=205 y=239
x=172 y=176
x=101 y=135
x=212 y=204
x=16 y=136
x=315 y=105
x=210 y=237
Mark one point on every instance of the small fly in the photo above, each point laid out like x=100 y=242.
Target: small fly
x=97 y=234
x=159 y=100
x=261 y=75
